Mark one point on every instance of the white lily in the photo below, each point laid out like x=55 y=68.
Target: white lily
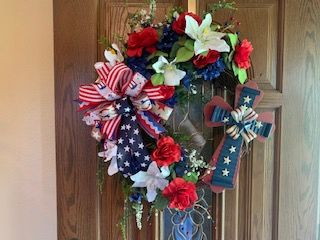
x=114 y=55
x=205 y=38
x=172 y=75
x=153 y=179
x=110 y=154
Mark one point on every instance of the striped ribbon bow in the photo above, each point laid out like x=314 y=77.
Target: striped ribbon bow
x=102 y=105
x=244 y=118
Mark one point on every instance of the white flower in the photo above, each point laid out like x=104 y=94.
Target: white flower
x=114 y=55
x=172 y=75
x=153 y=179
x=205 y=38
x=110 y=154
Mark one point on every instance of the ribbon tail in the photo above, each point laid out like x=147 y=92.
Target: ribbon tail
x=149 y=124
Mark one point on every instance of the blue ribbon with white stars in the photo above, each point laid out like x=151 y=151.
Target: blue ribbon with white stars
x=228 y=159
x=132 y=155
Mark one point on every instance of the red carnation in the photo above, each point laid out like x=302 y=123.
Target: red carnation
x=242 y=54
x=167 y=152
x=181 y=194
x=145 y=39
x=180 y=24
x=201 y=61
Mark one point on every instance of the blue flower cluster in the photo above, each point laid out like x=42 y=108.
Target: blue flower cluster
x=182 y=166
x=139 y=64
x=167 y=39
x=212 y=71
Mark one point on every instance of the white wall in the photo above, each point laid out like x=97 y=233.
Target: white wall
x=27 y=146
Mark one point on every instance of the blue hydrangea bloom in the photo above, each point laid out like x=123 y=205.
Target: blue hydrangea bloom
x=167 y=39
x=171 y=101
x=139 y=64
x=135 y=197
x=212 y=71
x=186 y=81
x=181 y=167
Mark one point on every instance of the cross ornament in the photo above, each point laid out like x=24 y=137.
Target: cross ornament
x=243 y=125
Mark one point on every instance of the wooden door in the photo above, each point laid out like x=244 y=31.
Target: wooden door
x=276 y=197
x=275 y=189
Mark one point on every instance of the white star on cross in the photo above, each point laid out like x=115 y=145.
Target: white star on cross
x=227 y=160
x=128 y=126
x=120 y=140
x=225 y=172
x=147 y=158
x=232 y=149
x=118 y=106
x=119 y=155
x=126 y=163
x=127 y=148
x=127 y=109
x=137 y=154
x=133 y=118
x=131 y=141
x=225 y=119
x=136 y=131
x=140 y=145
x=259 y=124
x=247 y=99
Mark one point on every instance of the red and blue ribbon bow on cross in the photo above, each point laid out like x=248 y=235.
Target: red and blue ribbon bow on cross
x=244 y=124
x=118 y=105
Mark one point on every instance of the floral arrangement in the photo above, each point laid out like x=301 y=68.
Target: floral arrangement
x=144 y=81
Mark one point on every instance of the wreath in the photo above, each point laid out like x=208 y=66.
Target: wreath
x=155 y=73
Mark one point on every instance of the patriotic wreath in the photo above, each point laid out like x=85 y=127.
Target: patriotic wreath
x=154 y=73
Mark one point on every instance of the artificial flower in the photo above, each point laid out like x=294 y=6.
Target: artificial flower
x=242 y=54
x=201 y=61
x=167 y=39
x=205 y=38
x=179 y=25
x=181 y=194
x=110 y=154
x=138 y=41
x=139 y=64
x=172 y=75
x=212 y=71
x=167 y=152
x=113 y=55
x=152 y=179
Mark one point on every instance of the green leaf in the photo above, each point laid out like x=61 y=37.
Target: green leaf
x=157 y=54
x=242 y=75
x=191 y=177
x=233 y=39
x=161 y=202
x=230 y=57
x=184 y=54
x=174 y=50
x=235 y=69
x=157 y=79
x=189 y=44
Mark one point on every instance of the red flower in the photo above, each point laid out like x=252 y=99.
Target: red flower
x=181 y=194
x=180 y=24
x=167 y=152
x=145 y=39
x=201 y=61
x=242 y=54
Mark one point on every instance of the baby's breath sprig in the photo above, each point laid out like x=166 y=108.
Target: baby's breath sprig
x=196 y=162
x=223 y=4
